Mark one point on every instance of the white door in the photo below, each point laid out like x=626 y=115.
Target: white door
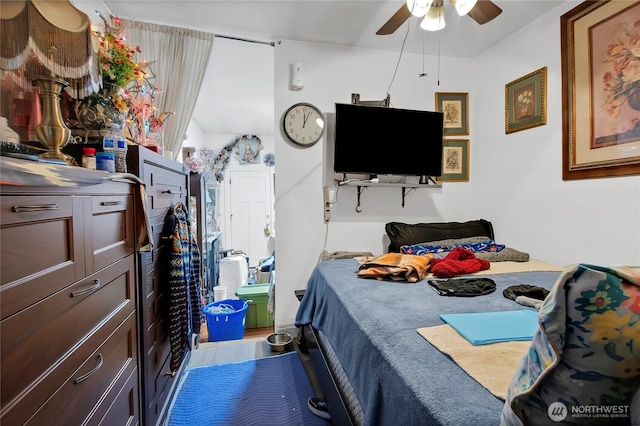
x=250 y=198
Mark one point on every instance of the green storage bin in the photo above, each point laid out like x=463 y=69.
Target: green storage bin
x=257 y=314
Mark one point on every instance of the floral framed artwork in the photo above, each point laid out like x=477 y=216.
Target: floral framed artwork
x=247 y=149
x=456 y=112
x=455 y=161
x=525 y=102
x=600 y=90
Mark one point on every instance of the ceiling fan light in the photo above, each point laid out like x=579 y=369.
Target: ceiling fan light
x=434 y=19
x=418 y=8
x=463 y=6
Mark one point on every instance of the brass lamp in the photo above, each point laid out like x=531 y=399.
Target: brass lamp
x=52 y=132
x=48 y=42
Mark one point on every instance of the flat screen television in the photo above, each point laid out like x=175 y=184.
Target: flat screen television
x=387 y=141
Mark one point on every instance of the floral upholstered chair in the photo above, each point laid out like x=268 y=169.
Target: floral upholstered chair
x=583 y=365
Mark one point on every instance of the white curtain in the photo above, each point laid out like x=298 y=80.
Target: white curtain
x=178 y=57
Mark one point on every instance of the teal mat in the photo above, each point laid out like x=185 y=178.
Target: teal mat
x=265 y=391
x=491 y=327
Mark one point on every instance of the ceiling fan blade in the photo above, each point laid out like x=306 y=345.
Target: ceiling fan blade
x=484 y=11
x=395 y=21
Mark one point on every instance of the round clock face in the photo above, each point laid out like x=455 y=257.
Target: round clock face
x=303 y=124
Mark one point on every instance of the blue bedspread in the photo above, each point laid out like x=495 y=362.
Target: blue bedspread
x=399 y=377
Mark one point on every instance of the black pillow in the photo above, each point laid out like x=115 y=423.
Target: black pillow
x=402 y=234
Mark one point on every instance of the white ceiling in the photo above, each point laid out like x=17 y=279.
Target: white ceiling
x=347 y=22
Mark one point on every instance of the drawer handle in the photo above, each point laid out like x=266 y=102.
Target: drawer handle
x=94 y=287
x=84 y=377
x=172 y=192
x=111 y=203
x=42 y=207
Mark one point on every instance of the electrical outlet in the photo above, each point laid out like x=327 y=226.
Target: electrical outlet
x=327 y=205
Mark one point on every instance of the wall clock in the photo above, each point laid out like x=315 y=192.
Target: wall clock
x=303 y=124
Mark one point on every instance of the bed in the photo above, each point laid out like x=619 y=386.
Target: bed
x=386 y=372
x=382 y=371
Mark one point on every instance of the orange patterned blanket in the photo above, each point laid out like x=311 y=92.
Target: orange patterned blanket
x=396 y=266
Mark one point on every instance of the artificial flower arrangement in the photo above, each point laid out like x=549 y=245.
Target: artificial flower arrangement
x=117 y=59
x=193 y=164
x=214 y=162
x=210 y=161
x=127 y=96
x=217 y=161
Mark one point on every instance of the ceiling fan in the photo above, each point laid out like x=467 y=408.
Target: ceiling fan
x=481 y=11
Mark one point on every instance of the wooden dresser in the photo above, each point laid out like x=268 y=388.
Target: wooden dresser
x=167 y=182
x=68 y=306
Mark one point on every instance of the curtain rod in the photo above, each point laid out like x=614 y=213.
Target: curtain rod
x=270 y=43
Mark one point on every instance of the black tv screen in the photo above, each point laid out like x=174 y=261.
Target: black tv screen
x=387 y=141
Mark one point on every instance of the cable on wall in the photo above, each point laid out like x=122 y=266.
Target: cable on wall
x=423 y=73
x=399 y=57
x=439 y=57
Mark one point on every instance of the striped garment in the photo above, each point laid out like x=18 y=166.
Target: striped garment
x=183 y=281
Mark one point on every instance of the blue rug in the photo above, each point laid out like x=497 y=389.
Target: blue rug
x=266 y=391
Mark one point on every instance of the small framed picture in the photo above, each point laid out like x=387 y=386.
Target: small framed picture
x=525 y=102
x=455 y=161
x=247 y=149
x=456 y=113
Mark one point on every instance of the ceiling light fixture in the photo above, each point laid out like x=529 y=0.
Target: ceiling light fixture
x=434 y=19
x=463 y=6
x=419 y=8
x=433 y=11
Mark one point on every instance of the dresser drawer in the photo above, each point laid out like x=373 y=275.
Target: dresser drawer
x=161 y=384
x=41 y=250
x=164 y=189
x=89 y=392
x=109 y=230
x=125 y=409
x=39 y=337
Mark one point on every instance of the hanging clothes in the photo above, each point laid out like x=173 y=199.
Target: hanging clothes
x=180 y=279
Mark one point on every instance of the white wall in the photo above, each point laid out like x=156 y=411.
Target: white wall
x=515 y=180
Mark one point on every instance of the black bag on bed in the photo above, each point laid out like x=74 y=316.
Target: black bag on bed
x=401 y=234
x=463 y=287
x=533 y=291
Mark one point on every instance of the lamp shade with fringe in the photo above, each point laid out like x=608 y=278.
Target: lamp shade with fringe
x=51 y=37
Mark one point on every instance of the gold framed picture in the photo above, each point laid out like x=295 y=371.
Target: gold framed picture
x=600 y=96
x=454 y=106
x=455 y=160
x=525 y=102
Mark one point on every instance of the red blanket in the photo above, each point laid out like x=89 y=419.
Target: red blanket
x=458 y=262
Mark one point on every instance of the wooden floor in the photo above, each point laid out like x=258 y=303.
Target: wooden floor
x=249 y=333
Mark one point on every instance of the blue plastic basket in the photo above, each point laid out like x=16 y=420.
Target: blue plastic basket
x=226 y=326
